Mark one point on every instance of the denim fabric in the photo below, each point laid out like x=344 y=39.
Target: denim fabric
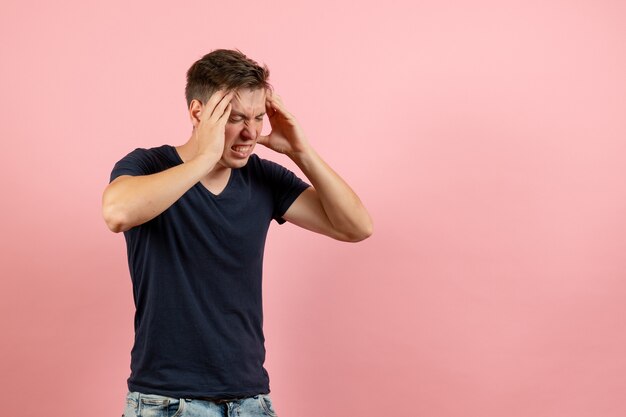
x=150 y=405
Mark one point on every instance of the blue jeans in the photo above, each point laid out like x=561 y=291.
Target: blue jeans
x=150 y=405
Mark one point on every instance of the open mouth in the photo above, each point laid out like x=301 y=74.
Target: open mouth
x=241 y=150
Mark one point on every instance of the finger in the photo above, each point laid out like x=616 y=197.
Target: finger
x=277 y=98
x=224 y=117
x=269 y=109
x=278 y=105
x=212 y=102
x=219 y=109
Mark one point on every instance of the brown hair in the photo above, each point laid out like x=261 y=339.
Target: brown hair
x=223 y=69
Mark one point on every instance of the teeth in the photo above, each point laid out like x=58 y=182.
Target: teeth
x=241 y=148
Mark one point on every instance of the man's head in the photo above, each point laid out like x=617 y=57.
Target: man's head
x=225 y=69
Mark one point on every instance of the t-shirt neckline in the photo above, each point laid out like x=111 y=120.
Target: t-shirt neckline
x=179 y=160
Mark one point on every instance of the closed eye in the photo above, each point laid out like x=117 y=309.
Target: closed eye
x=240 y=117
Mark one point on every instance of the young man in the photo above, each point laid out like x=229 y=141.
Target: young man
x=195 y=219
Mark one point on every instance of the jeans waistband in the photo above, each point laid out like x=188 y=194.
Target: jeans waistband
x=219 y=400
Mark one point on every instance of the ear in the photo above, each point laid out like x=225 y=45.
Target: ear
x=195 y=110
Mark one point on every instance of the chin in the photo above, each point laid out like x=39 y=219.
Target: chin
x=235 y=163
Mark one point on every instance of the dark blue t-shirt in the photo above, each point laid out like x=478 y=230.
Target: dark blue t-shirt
x=196 y=273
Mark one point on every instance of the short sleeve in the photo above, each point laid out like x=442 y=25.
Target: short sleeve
x=285 y=185
x=135 y=163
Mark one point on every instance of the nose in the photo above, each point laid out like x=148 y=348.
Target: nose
x=249 y=132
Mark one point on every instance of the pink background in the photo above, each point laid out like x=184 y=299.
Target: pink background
x=487 y=138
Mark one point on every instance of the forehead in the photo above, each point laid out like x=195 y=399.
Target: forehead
x=249 y=100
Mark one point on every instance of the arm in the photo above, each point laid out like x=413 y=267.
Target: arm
x=330 y=207
x=129 y=201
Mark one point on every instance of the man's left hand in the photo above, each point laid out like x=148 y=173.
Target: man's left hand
x=286 y=136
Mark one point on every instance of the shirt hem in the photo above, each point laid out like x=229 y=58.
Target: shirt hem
x=205 y=395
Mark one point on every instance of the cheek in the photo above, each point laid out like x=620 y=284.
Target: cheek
x=230 y=132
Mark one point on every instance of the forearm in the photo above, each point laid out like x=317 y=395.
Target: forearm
x=130 y=201
x=342 y=206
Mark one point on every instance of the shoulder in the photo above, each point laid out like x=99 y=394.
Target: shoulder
x=164 y=155
x=264 y=167
x=160 y=153
x=278 y=178
x=256 y=162
x=142 y=161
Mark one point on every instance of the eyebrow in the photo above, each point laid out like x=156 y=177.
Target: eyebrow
x=236 y=113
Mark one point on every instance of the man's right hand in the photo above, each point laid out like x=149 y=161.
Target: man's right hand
x=210 y=129
x=129 y=201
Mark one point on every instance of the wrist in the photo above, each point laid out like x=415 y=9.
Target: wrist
x=303 y=156
x=205 y=161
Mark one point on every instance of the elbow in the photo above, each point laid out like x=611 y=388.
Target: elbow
x=114 y=218
x=116 y=227
x=367 y=229
x=362 y=230
x=115 y=213
x=359 y=235
x=362 y=236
